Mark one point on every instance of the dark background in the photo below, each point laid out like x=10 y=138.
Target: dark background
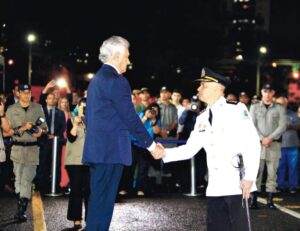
x=170 y=40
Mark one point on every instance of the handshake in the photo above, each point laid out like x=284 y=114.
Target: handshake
x=158 y=152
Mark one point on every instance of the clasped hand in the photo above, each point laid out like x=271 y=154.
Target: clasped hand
x=158 y=152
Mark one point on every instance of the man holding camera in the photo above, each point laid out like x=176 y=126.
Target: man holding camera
x=22 y=118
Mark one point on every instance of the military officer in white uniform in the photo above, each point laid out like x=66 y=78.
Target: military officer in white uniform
x=224 y=129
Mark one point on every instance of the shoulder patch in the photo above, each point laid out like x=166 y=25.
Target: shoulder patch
x=232 y=102
x=245 y=114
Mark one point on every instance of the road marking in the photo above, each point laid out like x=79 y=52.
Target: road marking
x=281 y=208
x=38 y=212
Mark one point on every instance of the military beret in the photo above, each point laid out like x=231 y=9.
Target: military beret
x=208 y=75
x=24 y=87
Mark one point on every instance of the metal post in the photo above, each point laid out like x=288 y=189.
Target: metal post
x=258 y=76
x=53 y=169
x=193 y=179
x=29 y=64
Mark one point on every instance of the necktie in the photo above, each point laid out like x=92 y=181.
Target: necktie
x=210 y=117
x=51 y=116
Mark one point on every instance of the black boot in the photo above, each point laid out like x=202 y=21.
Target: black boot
x=270 y=204
x=253 y=201
x=22 y=206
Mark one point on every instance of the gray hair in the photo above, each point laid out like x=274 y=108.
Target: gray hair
x=112 y=45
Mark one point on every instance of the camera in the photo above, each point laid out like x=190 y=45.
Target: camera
x=195 y=103
x=152 y=111
x=35 y=127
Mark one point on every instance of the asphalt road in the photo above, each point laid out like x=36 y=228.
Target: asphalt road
x=166 y=211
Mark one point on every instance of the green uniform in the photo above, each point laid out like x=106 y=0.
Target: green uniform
x=25 y=150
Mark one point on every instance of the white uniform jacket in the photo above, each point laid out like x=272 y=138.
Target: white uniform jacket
x=232 y=132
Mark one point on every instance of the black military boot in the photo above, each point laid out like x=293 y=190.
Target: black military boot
x=270 y=204
x=22 y=206
x=253 y=201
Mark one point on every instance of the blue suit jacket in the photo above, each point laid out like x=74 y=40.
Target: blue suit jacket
x=110 y=119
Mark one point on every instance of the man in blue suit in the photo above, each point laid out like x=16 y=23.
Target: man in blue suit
x=110 y=119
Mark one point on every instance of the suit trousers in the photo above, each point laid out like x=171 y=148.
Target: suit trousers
x=80 y=191
x=226 y=213
x=24 y=174
x=104 y=183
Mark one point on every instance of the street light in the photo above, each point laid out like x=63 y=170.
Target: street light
x=262 y=51
x=31 y=38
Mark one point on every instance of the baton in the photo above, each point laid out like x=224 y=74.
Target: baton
x=242 y=174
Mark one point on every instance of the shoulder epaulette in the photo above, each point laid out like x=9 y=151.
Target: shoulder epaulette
x=232 y=102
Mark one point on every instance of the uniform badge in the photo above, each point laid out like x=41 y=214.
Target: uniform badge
x=245 y=114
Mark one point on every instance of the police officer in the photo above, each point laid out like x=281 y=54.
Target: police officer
x=270 y=121
x=23 y=117
x=221 y=130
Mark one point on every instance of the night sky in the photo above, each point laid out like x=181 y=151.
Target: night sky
x=164 y=35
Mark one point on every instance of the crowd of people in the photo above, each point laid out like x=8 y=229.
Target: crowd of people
x=29 y=129
x=27 y=137
x=168 y=116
